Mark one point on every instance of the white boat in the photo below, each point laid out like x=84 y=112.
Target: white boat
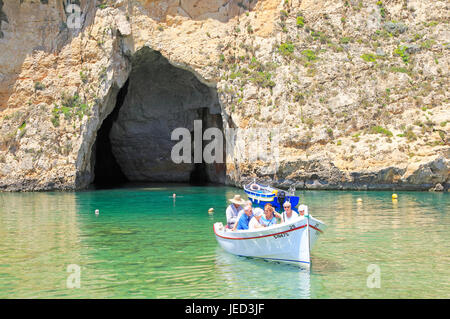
x=287 y=242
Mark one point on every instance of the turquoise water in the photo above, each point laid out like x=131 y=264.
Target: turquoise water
x=143 y=244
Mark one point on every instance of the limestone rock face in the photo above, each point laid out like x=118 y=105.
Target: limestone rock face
x=222 y=10
x=316 y=94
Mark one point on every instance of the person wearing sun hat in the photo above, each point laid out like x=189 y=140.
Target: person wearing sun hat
x=233 y=210
x=303 y=210
x=288 y=214
x=247 y=203
x=256 y=220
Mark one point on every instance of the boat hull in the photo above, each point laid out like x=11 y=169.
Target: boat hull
x=286 y=243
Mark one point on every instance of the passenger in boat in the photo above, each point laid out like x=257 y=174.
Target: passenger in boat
x=243 y=222
x=255 y=222
x=288 y=214
x=234 y=210
x=270 y=216
x=303 y=210
x=247 y=203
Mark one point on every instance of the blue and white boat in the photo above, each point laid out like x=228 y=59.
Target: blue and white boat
x=289 y=242
x=260 y=195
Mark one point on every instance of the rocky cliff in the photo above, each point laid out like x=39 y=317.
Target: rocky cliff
x=356 y=91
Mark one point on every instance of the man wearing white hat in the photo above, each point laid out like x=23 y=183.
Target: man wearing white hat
x=303 y=210
x=233 y=210
x=288 y=214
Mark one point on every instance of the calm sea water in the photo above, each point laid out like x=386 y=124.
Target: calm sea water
x=143 y=244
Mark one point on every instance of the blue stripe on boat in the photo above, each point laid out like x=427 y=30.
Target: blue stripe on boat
x=278 y=259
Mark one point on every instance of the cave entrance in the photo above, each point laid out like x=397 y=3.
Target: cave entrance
x=107 y=171
x=134 y=142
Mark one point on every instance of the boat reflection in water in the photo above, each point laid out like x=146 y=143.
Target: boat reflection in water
x=256 y=278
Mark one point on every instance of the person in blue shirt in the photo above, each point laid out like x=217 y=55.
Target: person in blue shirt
x=245 y=218
x=269 y=218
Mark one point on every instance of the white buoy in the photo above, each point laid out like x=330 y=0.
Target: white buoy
x=211 y=211
x=174 y=196
x=359 y=200
x=97 y=212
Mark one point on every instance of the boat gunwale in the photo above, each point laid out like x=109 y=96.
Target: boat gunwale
x=270 y=190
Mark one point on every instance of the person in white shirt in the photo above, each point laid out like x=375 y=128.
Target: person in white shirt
x=254 y=222
x=303 y=210
x=247 y=203
x=234 y=211
x=288 y=215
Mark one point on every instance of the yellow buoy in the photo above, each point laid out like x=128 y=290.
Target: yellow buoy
x=394 y=196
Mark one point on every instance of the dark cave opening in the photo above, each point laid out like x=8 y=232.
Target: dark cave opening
x=199 y=176
x=107 y=171
x=134 y=142
x=201 y=172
